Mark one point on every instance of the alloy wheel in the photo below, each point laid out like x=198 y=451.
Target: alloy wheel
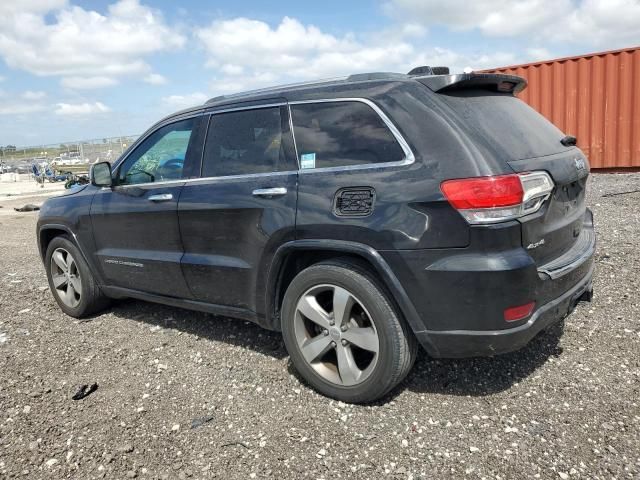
x=66 y=277
x=336 y=335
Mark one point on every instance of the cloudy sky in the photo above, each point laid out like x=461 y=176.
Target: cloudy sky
x=75 y=69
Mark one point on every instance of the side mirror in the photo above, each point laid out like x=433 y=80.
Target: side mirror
x=100 y=174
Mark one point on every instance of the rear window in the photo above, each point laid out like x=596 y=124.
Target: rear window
x=337 y=134
x=505 y=122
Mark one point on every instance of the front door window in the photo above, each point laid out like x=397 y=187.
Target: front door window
x=160 y=157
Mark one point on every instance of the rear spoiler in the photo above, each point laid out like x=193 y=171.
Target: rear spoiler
x=487 y=81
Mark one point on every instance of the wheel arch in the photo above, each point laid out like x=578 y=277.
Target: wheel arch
x=47 y=232
x=296 y=255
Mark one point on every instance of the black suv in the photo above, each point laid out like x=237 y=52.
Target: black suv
x=360 y=216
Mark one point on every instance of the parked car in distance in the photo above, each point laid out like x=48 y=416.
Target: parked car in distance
x=361 y=217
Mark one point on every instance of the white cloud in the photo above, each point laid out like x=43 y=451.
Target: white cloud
x=289 y=51
x=23 y=103
x=606 y=23
x=184 y=101
x=83 y=45
x=86 y=108
x=538 y=53
x=32 y=95
x=602 y=23
x=155 y=79
x=490 y=16
x=81 y=83
x=292 y=51
x=413 y=30
x=231 y=69
x=20 y=108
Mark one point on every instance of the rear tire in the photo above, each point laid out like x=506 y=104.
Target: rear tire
x=71 y=282
x=344 y=334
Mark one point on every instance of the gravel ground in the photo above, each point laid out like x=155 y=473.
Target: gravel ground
x=27 y=186
x=189 y=395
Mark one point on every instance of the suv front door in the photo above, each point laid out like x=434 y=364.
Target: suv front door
x=242 y=208
x=135 y=223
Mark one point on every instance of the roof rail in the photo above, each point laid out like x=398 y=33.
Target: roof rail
x=358 y=77
x=363 y=77
x=274 y=89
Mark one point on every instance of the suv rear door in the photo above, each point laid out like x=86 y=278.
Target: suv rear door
x=244 y=205
x=135 y=223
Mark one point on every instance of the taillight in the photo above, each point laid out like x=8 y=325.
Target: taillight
x=498 y=198
x=513 y=314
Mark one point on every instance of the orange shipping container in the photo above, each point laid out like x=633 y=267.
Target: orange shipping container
x=595 y=97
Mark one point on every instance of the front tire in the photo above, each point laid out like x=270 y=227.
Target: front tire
x=71 y=281
x=343 y=334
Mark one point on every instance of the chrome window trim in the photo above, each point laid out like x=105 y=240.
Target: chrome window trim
x=239 y=177
x=204 y=179
x=293 y=135
x=408 y=159
x=145 y=185
x=150 y=132
x=246 y=107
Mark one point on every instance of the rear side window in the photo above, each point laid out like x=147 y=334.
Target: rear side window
x=246 y=142
x=337 y=134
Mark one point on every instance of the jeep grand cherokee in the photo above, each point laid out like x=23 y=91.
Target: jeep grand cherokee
x=360 y=216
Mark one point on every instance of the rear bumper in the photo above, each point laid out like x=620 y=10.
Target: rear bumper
x=460 y=295
x=475 y=343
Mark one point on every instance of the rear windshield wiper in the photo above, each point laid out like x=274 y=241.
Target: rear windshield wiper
x=569 y=141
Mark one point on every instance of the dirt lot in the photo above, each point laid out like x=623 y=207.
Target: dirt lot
x=189 y=395
x=27 y=187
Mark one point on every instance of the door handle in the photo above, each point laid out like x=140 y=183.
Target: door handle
x=270 y=192
x=160 y=197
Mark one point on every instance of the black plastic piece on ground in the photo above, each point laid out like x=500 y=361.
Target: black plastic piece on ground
x=29 y=207
x=85 y=391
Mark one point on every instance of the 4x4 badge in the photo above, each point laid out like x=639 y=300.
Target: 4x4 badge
x=531 y=246
x=579 y=163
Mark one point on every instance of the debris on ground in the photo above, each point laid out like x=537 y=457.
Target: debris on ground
x=613 y=194
x=29 y=207
x=200 y=421
x=231 y=444
x=84 y=391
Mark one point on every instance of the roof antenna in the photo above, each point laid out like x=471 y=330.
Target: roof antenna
x=423 y=70
x=427 y=70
